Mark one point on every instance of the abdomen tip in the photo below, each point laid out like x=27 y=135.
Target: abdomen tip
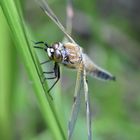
x=113 y=78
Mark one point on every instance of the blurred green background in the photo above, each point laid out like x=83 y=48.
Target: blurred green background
x=109 y=33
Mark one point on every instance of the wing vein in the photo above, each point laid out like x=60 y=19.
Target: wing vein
x=77 y=102
x=45 y=7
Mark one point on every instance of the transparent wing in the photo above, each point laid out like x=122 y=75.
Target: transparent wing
x=77 y=101
x=45 y=7
x=70 y=14
x=87 y=102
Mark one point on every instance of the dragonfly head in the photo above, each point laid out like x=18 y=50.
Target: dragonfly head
x=55 y=52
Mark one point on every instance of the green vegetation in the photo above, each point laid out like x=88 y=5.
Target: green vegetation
x=108 y=33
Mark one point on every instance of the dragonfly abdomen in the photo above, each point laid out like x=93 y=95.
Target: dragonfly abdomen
x=99 y=73
x=96 y=71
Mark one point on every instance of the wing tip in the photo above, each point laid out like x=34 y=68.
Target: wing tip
x=69 y=130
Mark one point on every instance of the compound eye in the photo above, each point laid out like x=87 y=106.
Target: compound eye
x=57 y=55
x=56 y=46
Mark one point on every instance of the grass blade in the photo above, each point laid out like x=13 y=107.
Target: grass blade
x=20 y=38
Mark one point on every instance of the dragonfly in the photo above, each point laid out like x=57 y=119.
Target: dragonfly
x=71 y=55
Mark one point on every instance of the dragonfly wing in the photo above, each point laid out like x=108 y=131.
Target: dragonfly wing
x=45 y=7
x=87 y=102
x=77 y=102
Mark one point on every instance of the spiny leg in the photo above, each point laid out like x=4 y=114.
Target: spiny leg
x=56 y=68
x=38 y=47
x=42 y=42
x=39 y=42
x=87 y=102
x=49 y=72
x=56 y=75
x=44 y=62
x=50 y=78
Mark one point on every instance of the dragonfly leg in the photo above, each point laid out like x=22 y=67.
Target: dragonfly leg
x=47 y=72
x=56 y=75
x=42 y=42
x=44 y=62
x=39 y=42
x=38 y=47
x=50 y=78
